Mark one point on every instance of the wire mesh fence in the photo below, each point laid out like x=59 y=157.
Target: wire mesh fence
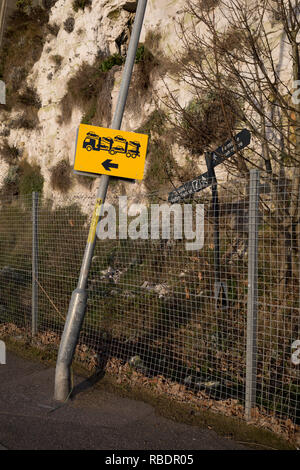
x=15 y=263
x=167 y=312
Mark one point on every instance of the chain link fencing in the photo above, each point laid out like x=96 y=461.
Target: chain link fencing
x=165 y=315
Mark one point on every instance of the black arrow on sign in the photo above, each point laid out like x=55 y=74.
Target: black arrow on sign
x=108 y=165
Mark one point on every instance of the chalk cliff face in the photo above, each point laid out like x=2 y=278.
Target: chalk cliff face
x=93 y=31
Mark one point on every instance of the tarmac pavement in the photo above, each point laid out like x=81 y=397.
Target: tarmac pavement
x=94 y=419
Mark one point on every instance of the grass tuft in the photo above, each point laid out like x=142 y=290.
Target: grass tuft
x=57 y=60
x=61 y=176
x=30 y=178
x=90 y=90
x=21 y=179
x=29 y=97
x=21 y=48
x=10 y=154
x=81 y=4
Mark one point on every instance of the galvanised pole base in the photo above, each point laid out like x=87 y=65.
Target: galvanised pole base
x=63 y=382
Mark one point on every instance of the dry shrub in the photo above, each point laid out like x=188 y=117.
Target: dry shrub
x=10 y=185
x=30 y=178
x=69 y=24
x=29 y=97
x=21 y=179
x=22 y=46
x=152 y=41
x=104 y=101
x=164 y=64
x=53 y=28
x=17 y=77
x=24 y=5
x=48 y=4
x=162 y=169
x=29 y=103
x=10 y=154
x=146 y=64
x=4 y=132
x=81 y=4
x=232 y=40
x=161 y=166
x=207 y=5
x=206 y=121
x=150 y=62
x=61 y=176
x=90 y=90
x=155 y=124
x=130 y=6
x=57 y=60
x=28 y=120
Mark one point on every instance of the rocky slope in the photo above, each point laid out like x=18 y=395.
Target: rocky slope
x=72 y=44
x=82 y=37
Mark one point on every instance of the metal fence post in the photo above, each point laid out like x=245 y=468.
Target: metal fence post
x=34 y=305
x=251 y=353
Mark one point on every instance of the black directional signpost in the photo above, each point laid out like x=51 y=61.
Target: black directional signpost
x=222 y=153
x=240 y=141
x=220 y=287
x=213 y=159
x=190 y=188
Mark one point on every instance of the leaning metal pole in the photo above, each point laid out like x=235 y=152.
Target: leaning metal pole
x=77 y=307
x=3 y=8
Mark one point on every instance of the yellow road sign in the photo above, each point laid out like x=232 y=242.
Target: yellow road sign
x=110 y=152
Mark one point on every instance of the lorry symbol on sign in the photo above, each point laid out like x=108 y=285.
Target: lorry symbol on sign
x=110 y=152
x=112 y=145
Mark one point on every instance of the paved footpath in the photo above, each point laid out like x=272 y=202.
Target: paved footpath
x=94 y=419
